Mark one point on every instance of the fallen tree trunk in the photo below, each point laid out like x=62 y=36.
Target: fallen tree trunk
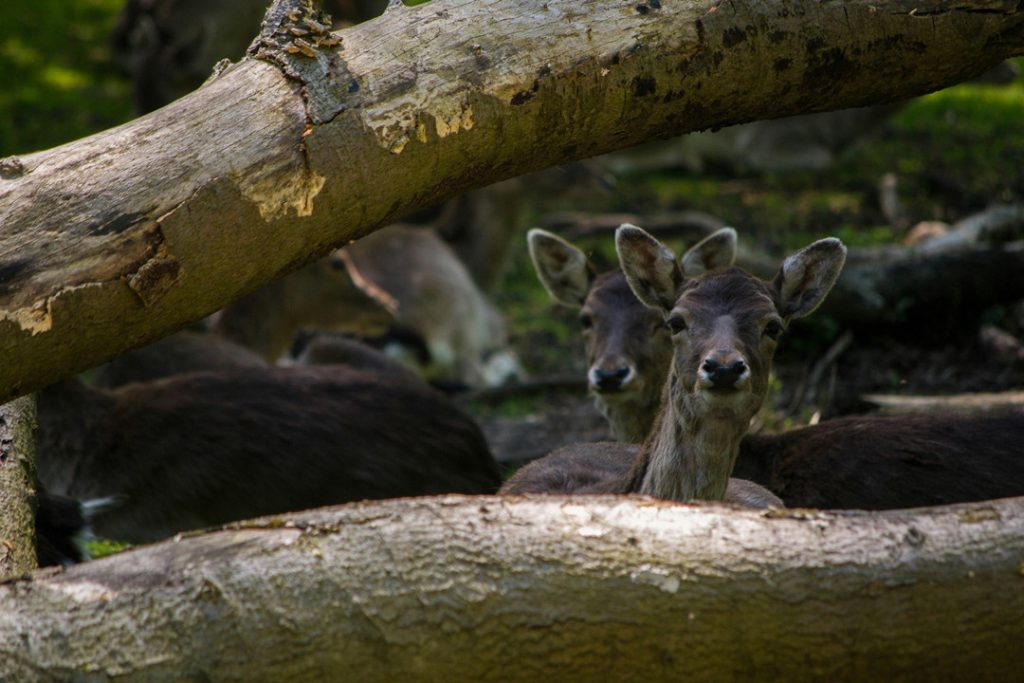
x=17 y=486
x=460 y=588
x=893 y=404
x=319 y=138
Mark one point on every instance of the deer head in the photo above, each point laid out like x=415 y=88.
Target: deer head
x=627 y=344
x=724 y=323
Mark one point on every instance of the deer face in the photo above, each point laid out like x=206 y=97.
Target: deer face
x=627 y=344
x=724 y=324
x=724 y=329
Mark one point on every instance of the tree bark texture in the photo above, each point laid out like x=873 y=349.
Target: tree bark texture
x=17 y=486
x=546 y=588
x=893 y=404
x=316 y=139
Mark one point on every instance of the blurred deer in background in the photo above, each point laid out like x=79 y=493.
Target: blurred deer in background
x=724 y=326
x=401 y=289
x=436 y=301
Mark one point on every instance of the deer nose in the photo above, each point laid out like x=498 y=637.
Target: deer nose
x=715 y=375
x=610 y=380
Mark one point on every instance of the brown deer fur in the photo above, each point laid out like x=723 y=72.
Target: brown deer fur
x=724 y=324
x=865 y=462
x=402 y=286
x=208 y=448
x=181 y=352
x=882 y=463
x=320 y=296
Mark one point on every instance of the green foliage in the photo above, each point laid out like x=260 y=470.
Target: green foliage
x=57 y=82
x=101 y=547
x=953 y=152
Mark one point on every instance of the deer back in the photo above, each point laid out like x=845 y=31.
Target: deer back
x=889 y=462
x=207 y=448
x=181 y=352
x=609 y=467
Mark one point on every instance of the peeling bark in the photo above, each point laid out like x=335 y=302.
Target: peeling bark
x=17 y=479
x=122 y=237
x=521 y=589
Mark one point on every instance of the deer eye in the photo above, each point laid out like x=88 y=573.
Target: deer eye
x=773 y=329
x=675 y=324
x=586 y=321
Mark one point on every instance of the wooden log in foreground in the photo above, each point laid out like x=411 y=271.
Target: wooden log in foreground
x=528 y=589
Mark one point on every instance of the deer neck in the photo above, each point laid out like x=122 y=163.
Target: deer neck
x=630 y=421
x=688 y=456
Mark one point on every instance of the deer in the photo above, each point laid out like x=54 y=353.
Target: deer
x=868 y=462
x=402 y=289
x=326 y=348
x=207 y=448
x=257 y=330
x=724 y=325
x=627 y=344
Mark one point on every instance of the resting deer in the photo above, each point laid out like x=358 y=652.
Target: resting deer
x=207 y=448
x=256 y=330
x=867 y=462
x=724 y=326
x=401 y=287
x=323 y=296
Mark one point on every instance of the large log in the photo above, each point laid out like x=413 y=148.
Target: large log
x=17 y=486
x=489 y=589
x=119 y=238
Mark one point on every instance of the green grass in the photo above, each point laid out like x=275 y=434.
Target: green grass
x=953 y=152
x=102 y=547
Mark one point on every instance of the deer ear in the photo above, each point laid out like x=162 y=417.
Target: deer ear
x=649 y=266
x=807 y=276
x=717 y=250
x=563 y=269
